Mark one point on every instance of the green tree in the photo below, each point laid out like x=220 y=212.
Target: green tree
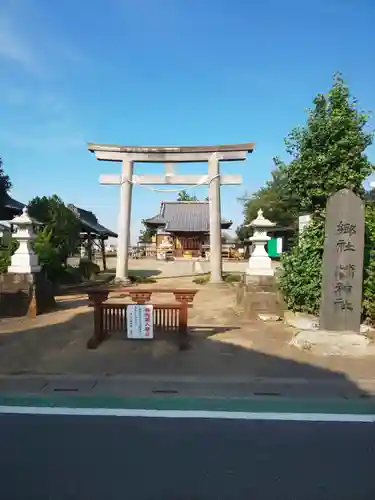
x=369 y=274
x=185 y=196
x=61 y=227
x=275 y=201
x=7 y=248
x=5 y=184
x=370 y=196
x=328 y=154
x=147 y=234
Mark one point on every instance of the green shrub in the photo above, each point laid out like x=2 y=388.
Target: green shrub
x=369 y=264
x=202 y=280
x=49 y=258
x=53 y=263
x=88 y=269
x=69 y=275
x=227 y=277
x=6 y=251
x=232 y=278
x=300 y=278
x=141 y=279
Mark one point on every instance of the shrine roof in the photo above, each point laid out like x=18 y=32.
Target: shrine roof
x=10 y=208
x=90 y=222
x=88 y=219
x=13 y=204
x=185 y=217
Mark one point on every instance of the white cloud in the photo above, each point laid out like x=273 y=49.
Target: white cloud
x=34 y=115
x=27 y=39
x=42 y=141
x=37 y=119
x=14 y=48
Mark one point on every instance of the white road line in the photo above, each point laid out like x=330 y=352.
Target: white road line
x=197 y=414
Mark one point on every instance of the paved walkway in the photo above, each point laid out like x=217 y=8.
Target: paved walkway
x=223 y=345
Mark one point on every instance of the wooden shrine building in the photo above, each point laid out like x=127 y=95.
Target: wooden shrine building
x=91 y=232
x=10 y=208
x=186 y=224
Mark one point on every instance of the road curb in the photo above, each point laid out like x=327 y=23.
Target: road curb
x=247 y=405
x=185 y=386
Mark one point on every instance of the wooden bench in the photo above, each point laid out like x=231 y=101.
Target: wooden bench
x=110 y=317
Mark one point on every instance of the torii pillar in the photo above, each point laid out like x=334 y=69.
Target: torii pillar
x=215 y=219
x=170 y=155
x=126 y=192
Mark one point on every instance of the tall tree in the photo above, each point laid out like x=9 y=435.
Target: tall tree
x=5 y=184
x=328 y=154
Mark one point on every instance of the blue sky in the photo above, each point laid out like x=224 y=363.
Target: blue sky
x=166 y=72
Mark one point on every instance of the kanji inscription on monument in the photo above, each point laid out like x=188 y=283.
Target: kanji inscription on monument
x=343 y=263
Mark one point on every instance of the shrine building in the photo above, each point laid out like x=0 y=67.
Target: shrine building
x=186 y=224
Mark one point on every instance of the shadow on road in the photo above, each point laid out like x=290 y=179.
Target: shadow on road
x=61 y=349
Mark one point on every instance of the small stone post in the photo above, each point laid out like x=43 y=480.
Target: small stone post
x=24 y=260
x=259 y=262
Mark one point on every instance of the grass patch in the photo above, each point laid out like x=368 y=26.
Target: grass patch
x=232 y=278
x=227 y=277
x=138 y=280
x=202 y=280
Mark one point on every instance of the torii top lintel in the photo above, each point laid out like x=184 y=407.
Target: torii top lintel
x=225 y=152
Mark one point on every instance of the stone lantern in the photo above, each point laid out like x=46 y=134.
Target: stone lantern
x=259 y=262
x=24 y=260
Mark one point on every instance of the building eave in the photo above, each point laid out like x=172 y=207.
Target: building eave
x=93 y=227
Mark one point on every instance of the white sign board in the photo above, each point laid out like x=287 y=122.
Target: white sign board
x=139 y=321
x=303 y=221
x=279 y=246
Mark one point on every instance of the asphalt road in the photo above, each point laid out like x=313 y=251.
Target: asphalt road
x=96 y=457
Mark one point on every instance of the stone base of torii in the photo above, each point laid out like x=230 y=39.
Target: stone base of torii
x=128 y=155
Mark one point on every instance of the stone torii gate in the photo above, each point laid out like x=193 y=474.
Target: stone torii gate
x=169 y=155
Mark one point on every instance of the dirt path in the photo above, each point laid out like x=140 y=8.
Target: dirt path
x=222 y=344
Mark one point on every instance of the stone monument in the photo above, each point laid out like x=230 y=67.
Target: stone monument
x=343 y=263
x=24 y=260
x=258 y=296
x=260 y=263
x=24 y=289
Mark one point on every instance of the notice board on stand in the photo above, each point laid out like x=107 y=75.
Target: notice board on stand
x=139 y=321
